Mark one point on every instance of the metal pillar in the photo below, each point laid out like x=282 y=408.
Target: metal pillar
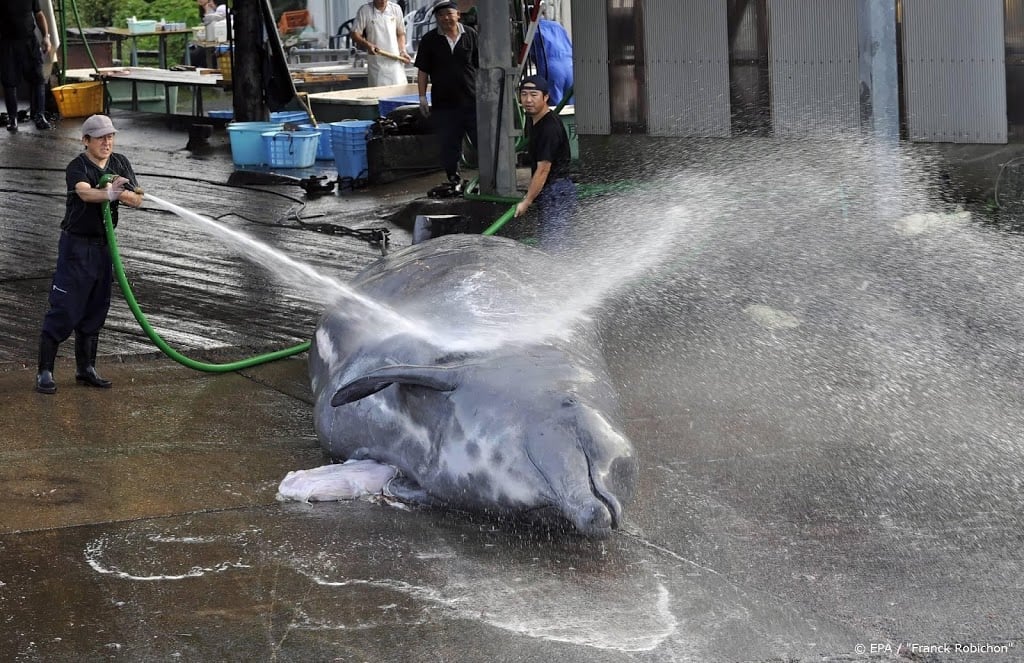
x=495 y=90
x=879 y=88
x=61 y=16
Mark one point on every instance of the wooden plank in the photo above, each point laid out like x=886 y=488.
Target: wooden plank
x=203 y=77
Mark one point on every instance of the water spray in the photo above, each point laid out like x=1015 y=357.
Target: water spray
x=140 y=317
x=405 y=325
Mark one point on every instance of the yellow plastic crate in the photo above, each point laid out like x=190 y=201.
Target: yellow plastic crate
x=79 y=99
x=224 y=65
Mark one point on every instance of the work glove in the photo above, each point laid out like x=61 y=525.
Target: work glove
x=424 y=107
x=118 y=185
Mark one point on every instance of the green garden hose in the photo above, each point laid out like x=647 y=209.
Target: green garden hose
x=129 y=296
x=140 y=317
x=500 y=221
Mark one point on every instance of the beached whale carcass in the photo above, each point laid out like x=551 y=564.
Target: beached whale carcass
x=527 y=425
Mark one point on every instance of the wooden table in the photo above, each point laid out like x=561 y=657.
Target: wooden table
x=120 y=34
x=195 y=79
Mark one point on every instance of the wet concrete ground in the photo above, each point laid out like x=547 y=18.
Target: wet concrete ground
x=830 y=437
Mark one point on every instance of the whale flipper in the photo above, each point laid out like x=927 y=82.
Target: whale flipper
x=432 y=377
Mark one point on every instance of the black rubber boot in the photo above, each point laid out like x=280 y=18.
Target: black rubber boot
x=85 y=358
x=47 y=355
x=451 y=188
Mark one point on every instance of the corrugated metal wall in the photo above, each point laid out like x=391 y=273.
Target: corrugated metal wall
x=815 y=66
x=1013 y=18
x=954 y=70
x=590 y=62
x=954 y=66
x=687 y=58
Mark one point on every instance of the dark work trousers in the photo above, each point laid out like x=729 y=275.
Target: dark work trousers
x=22 y=59
x=556 y=206
x=80 y=294
x=451 y=124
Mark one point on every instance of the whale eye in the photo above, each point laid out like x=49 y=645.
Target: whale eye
x=569 y=401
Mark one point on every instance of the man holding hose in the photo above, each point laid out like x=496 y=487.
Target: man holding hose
x=80 y=293
x=550 y=156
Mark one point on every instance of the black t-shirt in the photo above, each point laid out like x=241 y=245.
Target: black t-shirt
x=548 y=141
x=452 y=73
x=80 y=217
x=18 y=18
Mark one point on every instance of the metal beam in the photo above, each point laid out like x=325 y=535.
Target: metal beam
x=879 y=86
x=495 y=90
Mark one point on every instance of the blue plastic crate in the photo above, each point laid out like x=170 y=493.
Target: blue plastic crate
x=348 y=140
x=391 y=103
x=351 y=163
x=291 y=149
x=350 y=159
x=294 y=117
x=324 y=149
x=351 y=129
x=221 y=114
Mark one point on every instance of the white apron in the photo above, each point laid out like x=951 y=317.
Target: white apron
x=385 y=71
x=381 y=28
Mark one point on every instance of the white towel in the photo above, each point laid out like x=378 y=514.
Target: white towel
x=345 y=481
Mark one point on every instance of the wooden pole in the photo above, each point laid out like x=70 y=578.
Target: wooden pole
x=247 y=81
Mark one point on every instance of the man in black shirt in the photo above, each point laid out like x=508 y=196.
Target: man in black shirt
x=448 y=59
x=21 y=55
x=80 y=293
x=550 y=158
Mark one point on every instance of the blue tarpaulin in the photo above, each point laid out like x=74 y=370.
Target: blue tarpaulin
x=552 y=53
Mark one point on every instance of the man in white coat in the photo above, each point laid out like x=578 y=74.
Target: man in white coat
x=380 y=29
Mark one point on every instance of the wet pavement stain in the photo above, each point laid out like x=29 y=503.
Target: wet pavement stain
x=52 y=490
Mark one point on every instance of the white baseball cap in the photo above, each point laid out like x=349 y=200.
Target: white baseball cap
x=98 y=126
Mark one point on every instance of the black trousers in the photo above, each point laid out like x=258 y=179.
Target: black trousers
x=451 y=124
x=22 y=60
x=80 y=293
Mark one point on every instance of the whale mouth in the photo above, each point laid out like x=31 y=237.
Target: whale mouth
x=593 y=509
x=594 y=520
x=610 y=504
x=611 y=471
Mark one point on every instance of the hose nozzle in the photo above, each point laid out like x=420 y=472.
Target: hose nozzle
x=128 y=186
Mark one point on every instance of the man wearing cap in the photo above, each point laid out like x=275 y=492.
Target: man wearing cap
x=550 y=159
x=448 y=59
x=80 y=293
x=380 y=28
x=21 y=57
